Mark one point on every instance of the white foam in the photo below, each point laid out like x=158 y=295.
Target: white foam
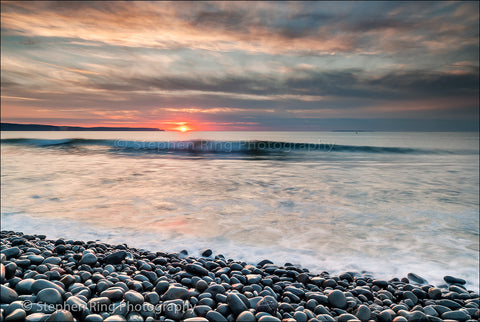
x=316 y=262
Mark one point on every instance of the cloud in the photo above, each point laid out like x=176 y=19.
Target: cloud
x=237 y=62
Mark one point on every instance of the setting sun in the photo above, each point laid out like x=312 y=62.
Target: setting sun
x=183 y=129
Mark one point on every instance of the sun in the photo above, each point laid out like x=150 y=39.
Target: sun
x=183 y=128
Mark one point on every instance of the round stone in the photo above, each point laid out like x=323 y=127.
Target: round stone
x=41 y=284
x=363 y=313
x=93 y=318
x=115 y=258
x=161 y=287
x=235 y=304
x=99 y=304
x=416 y=278
x=201 y=286
x=245 y=316
x=61 y=316
x=16 y=315
x=299 y=316
x=267 y=304
x=113 y=293
x=133 y=297
x=337 y=299
x=173 y=309
x=196 y=269
x=89 y=259
x=115 y=318
x=11 y=252
x=253 y=278
x=36 y=317
x=207 y=252
x=7 y=294
x=76 y=304
x=35 y=259
x=215 y=316
x=454 y=280
x=175 y=292
x=455 y=315
x=49 y=296
x=268 y=318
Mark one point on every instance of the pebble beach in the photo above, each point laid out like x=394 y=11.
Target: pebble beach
x=71 y=280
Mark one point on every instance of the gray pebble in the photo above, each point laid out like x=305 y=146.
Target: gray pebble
x=267 y=304
x=455 y=315
x=454 y=280
x=235 y=304
x=36 y=317
x=133 y=297
x=7 y=294
x=336 y=298
x=175 y=292
x=93 y=318
x=61 y=316
x=115 y=318
x=49 y=296
x=89 y=259
x=363 y=313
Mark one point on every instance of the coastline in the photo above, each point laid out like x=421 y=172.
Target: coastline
x=135 y=284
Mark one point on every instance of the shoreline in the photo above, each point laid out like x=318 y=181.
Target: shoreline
x=94 y=281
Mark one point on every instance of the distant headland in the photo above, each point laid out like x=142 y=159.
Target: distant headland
x=42 y=127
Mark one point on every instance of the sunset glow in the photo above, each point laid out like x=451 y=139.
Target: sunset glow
x=313 y=65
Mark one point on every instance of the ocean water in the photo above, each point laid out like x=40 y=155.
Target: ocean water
x=385 y=204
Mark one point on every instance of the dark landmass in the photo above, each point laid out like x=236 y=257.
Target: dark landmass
x=353 y=131
x=41 y=127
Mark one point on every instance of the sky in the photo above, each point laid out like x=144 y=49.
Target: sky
x=384 y=66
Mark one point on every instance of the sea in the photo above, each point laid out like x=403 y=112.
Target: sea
x=383 y=204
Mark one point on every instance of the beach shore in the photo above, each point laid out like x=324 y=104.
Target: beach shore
x=69 y=280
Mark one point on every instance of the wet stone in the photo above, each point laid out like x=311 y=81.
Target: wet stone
x=61 y=316
x=454 y=280
x=49 y=296
x=267 y=304
x=337 y=299
x=175 y=292
x=235 y=304
x=7 y=294
x=89 y=259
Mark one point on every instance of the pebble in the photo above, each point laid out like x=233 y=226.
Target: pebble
x=235 y=304
x=337 y=299
x=115 y=257
x=455 y=315
x=133 y=297
x=92 y=275
x=115 y=318
x=11 y=252
x=89 y=259
x=36 y=317
x=454 y=280
x=416 y=278
x=196 y=269
x=7 y=294
x=93 y=318
x=363 y=313
x=40 y=284
x=61 y=316
x=49 y=296
x=175 y=292
x=16 y=315
x=206 y=252
x=267 y=304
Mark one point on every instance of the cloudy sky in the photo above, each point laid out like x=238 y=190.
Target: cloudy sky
x=242 y=65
